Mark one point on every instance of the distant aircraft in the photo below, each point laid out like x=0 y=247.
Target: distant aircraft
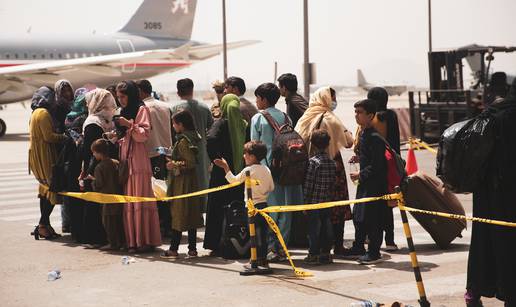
x=391 y=89
x=155 y=40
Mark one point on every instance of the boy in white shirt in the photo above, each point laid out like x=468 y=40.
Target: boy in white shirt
x=254 y=152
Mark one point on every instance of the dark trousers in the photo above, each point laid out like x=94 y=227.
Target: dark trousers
x=261 y=229
x=45 y=207
x=176 y=239
x=372 y=227
x=338 y=233
x=320 y=232
x=389 y=226
x=159 y=171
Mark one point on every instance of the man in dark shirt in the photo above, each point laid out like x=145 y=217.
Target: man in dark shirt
x=296 y=104
x=236 y=85
x=372 y=181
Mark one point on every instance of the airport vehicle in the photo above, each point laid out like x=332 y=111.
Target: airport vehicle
x=155 y=40
x=448 y=101
x=391 y=89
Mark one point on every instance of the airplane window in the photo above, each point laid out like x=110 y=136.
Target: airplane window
x=67 y=55
x=92 y=54
x=42 y=56
x=51 y=55
x=7 y=56
x=25 y=55
x=76 y=55
x=84 y=55
x=60 y=56
x=34 y=56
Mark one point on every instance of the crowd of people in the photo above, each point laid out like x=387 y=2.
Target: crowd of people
x=115 y=140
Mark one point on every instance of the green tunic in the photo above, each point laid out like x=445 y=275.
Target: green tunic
x=186 y=212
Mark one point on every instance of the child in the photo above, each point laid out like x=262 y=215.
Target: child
x=368 y=218
x=319 y=186
x=254 y=152
x=182 y=179
x=105 y=180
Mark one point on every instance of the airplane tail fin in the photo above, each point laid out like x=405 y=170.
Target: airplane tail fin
x=360 y=78
x=163 y=18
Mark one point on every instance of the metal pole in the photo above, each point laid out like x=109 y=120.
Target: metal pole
x=423 y=302
x=275 y=72
x=430 y=25
x=224 y=40
x=306 y=68
x=253 y=269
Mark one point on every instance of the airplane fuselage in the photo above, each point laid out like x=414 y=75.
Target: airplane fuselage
x=33 y=49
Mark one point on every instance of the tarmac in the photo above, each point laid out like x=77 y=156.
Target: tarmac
x=94 y=278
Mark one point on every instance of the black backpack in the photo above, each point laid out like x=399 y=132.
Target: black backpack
x=289 y=153
x=236 y=242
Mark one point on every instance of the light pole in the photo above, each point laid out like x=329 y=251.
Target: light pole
x=224 y=40
x=429 y=25
x=306 y=65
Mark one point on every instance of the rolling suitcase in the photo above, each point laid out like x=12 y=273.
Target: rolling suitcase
x=428 y=193
x=236 y=242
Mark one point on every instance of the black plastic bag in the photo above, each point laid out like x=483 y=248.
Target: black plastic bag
x=464 y=151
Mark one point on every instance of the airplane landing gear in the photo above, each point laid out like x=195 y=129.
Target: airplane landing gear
x=3 y=128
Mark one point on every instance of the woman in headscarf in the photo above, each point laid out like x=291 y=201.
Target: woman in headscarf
x=225 y=139
x=141 y=221
x=73 y=124
x=43 y=154
x=101 y=108
x=491 y=263
x=319 y=115
x=64 y=98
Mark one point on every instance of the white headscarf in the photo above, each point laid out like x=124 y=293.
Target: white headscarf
x=320 y=102
x=101 y=108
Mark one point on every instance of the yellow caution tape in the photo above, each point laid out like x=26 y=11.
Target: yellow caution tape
x=418 y=143
x=276 y=230
x=331 y=204
x=460 y=217
x=102 y=198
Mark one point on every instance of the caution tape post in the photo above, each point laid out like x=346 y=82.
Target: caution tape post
x=253 y=268
x=423 y=302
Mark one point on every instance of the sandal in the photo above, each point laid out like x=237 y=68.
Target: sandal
x=169 y=254
x=38 y=234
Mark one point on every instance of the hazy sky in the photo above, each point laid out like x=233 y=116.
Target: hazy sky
x=386 y=39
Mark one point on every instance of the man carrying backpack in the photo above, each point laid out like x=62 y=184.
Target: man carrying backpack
x=265 y=127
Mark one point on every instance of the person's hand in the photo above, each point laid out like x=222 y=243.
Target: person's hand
x=353 y=159
x=220 y=162
x=170 y=164
x=122 y=121
x=82 y=175
x=354 y=176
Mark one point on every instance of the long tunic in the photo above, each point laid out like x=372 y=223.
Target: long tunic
x=219 y=146
x=42 y=151
x=141 y=222
x=491 y=262
x=106 y=181
x=185 y=212
x=203 y=121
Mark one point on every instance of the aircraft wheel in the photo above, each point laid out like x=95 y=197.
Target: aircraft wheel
x=3 y=128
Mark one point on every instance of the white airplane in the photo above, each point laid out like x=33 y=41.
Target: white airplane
x=391 y=89
x=155 y=40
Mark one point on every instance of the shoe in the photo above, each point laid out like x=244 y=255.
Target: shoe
x=66 y=229
x=192 y=253
x=338 y=250
x=351 y=253
x=169 y=254
x=262 y=263
x=368 y=259
x=311 y=259
x=391 y=247
x=325 y=259
x=106 y=247
x=38 y=234
x=274 y=257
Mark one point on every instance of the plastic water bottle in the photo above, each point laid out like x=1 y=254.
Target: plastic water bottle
x=367 y=303
x=53 y=275
x=125 y=260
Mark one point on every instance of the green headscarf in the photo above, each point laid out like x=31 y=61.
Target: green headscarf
x=230 y=108
x=78 y=107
